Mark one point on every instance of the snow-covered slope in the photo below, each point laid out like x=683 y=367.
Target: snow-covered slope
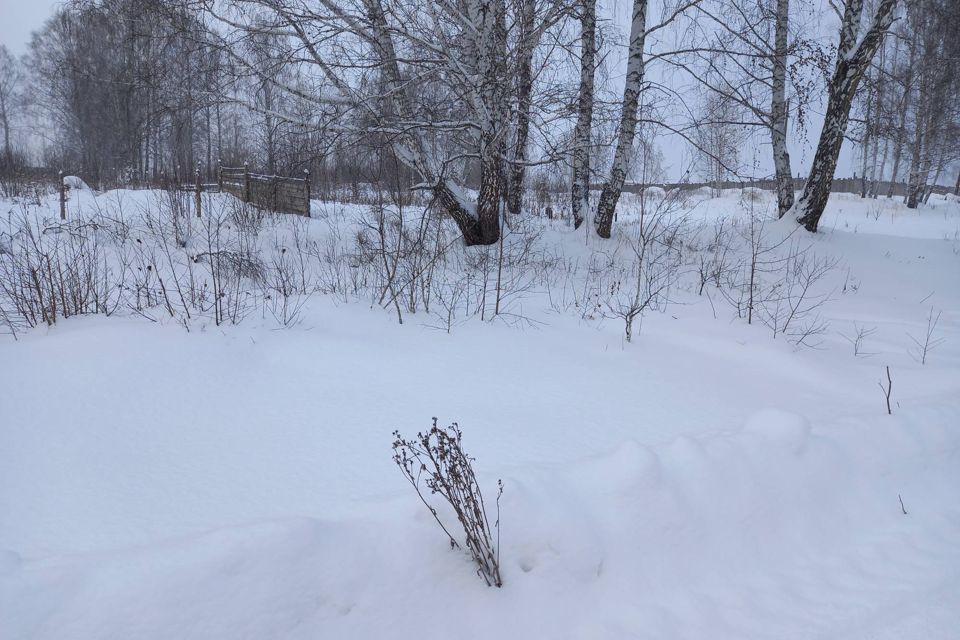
x=703 y=481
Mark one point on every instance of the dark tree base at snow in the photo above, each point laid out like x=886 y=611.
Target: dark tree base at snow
x=483 y=229
x=606 y=208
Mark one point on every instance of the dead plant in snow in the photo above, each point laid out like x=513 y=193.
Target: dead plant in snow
x=436 y=460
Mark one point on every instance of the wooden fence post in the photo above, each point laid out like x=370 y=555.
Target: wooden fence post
x=220 y=176
x=63 y=198
x=199 y=187
x=246 y=183
x=306 y=185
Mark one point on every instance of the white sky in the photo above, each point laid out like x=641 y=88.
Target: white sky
x=18 y=18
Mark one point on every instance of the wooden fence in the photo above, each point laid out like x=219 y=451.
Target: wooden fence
x=276 y=193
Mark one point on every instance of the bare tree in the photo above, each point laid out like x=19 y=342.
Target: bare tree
x=124 y=84
x=933 y=24
x=580 y=191
x=634 y=86
x=748 y=53
x=532 y=19
x=461 y=115
x=779 y=111
x=613 y=187
x=10 y=81
x=854 y=53
x=719 y=136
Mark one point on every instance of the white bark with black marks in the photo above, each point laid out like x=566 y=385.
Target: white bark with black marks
x=580 y=191
x=613 y=187
x=779 y=111
x=853 y=58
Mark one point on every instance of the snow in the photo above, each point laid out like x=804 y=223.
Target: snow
x=74 y=182
x=703 y=481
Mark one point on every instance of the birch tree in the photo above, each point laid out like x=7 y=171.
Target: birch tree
x=613 y=187
x=527 y=40
x=750 y=53
x=933 y=24
x=532 y=20
x=855 y=51
x=443 y=78
x=634 y=86
x=779 y=111
x=580 y=190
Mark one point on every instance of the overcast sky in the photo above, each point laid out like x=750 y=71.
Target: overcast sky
x=18 y=18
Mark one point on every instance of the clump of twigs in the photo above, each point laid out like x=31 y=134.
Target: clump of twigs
x=436 y=460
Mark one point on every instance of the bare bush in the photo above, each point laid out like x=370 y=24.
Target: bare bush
x=791 y=304
x=402 y=252
x=436 y=462
x=287 y=285
x=644 y=283
x=928 y=342
x=52 y=273
x=714 y=261
x=780 y=284
x=860 y=333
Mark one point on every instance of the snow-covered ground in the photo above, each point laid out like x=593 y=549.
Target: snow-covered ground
x=706 y=480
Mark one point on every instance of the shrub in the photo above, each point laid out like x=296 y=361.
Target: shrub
x=438 y=459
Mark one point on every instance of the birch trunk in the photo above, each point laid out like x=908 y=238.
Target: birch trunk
x=875 y=188
x=527 y=44
x=852 y=61
x=914 y=183
x=936 y=176
x=865 y=147
x=919 y=149
x=580 y=191
x=490 y=16
x=610 y=195
x=780 y=113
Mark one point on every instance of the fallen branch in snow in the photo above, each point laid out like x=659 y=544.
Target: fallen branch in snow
x=902 y=508
x=449 y=472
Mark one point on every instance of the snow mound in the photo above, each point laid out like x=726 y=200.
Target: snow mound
x=752 y=194
x=788 y=430
x=656 y=193
x=634 y=464
x=75 y=182
x=631 y=468
x=719 y=526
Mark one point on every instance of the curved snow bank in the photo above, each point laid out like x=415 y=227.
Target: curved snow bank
x=75 y=182
x=776 y=530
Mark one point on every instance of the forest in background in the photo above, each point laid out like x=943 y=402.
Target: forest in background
x=477 y=101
